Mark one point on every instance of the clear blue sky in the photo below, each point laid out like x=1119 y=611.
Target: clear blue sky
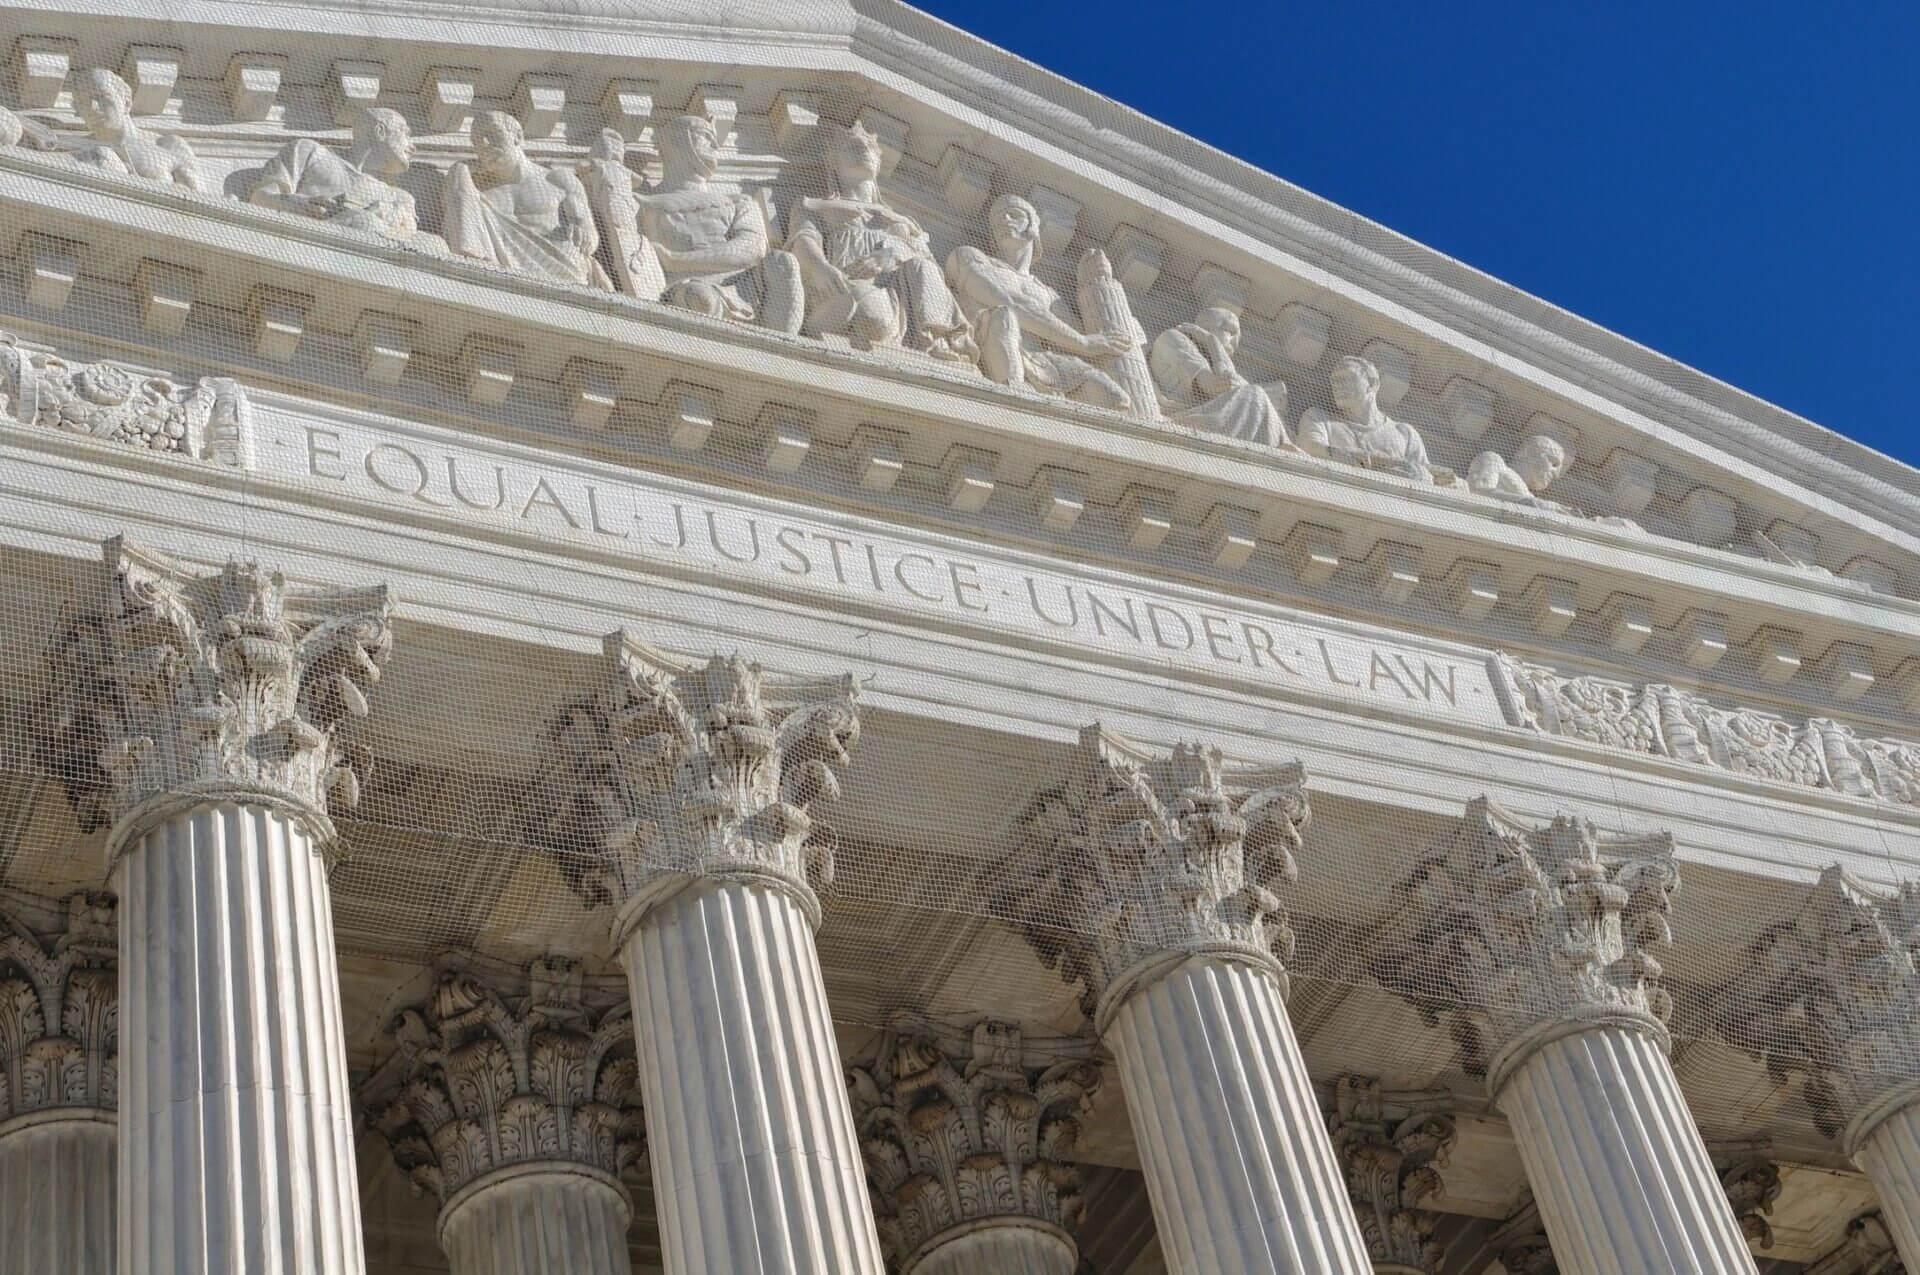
x=1734 y=185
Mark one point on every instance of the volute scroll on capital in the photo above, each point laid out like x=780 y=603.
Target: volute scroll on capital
x=1514 y=934
x=1143 y=861
x=1392 y=1165
x=676 y=771
x=186 y=689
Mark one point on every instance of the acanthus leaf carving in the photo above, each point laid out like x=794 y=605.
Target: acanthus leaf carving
x=675 y=769
x=951 y=1139
x=59 y=1013
x=1134 y=856
x=1391 y=1166
x=1505 y=927
x=229 y=681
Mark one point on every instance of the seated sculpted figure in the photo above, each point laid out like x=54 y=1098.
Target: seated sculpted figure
x=1199 y=385
x=707 y=250
x=869 y=270
x=1024 y=339
x=350 y=190
x=1536 y=463
x=1362 y=434
x=509 y=211
x=120 y=146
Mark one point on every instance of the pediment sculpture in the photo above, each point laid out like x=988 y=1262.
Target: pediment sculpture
x=1200 y=387
x=509 y=211
x=354 y=190
x=1360 y=433
x=1537 y=463
x=870 y=272
x=105 y=104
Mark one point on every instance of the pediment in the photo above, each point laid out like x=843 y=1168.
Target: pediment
x=1655 y=461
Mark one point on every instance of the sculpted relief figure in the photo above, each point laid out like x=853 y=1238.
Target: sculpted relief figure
x=1362 y=434
x=120 y=146
x=1024 y=339
x=1200 y=387
x=708 y=250
x=869 y=271
x=613 y=193
x=354 y=190
x=509 y=211
x=1537 y=462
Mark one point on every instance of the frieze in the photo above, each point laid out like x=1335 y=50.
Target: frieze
x=1666 y=721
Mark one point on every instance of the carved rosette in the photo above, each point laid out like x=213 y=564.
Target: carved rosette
x=1391 y=1166
x=196 y=687
x=59 y=1014
x=675 y=770
x=1509 y=931
x=1834 y=995
x=1134 y=858
x=952 y=1142
x=477 y=1086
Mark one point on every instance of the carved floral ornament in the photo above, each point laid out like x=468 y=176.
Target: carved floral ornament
x=1391 y=1166
x=1506 y=929
x=191 y=685
x=478 y=1084
x=951 y=1141
x=59 y=1013
x=1133 y=858
x=674 y=770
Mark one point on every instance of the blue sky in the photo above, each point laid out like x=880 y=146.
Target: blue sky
x=1734 y=185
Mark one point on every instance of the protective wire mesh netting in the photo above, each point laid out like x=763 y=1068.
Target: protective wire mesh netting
x=967 y=855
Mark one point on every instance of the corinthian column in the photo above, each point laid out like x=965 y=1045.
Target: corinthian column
x=684 y=791
x=1150 y=882
x=59 y=1037
x=520 y=1117
x=1833 y=995
x=970 y=1157
x=1534 y=944
x=200 y=721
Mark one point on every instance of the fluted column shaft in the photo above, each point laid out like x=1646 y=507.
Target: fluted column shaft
x=236 y=1149
x=999 y=1246
x=536 y=1220
x=56 y=1208
x=755 y=1164
x=1622 y=1179
x=1889 y=1154
x=1239 y=1167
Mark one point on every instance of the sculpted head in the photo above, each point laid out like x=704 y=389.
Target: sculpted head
x=1014 y=224
x=104 y=101
x=1223 y=323
x=383 y=136
x=608 y=146
x=689 y=147
x=1356 y=387
x=497 y=141
x=856 y=157
x=1539 y=460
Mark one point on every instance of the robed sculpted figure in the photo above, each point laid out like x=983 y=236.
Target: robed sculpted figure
x=354 y=190
x=1360 y=433
x=1024 y=337
x=105 y=104
x=509 y=211
x=1200 y=386
x=869 y=271
x=708 y=250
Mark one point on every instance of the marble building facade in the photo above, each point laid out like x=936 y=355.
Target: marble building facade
x=758 y=638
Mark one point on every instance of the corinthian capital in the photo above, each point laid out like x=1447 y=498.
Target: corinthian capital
x=1508 y=929
x=955 y=1141
x=188 y=684
x=1834 y=995
x=478 y=1084
x=59 y=1013
x=1132 y=857
x=1391 y=1166
x=676 y=769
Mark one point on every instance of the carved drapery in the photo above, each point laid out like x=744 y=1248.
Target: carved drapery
x=1135 y=857
x=478 y=1085
x=1508 y=928
x=1666 y=721
x=676 y=770
x=953 y=1141
x=196 y=687
x=59 y=1014
x=1391 y=1166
